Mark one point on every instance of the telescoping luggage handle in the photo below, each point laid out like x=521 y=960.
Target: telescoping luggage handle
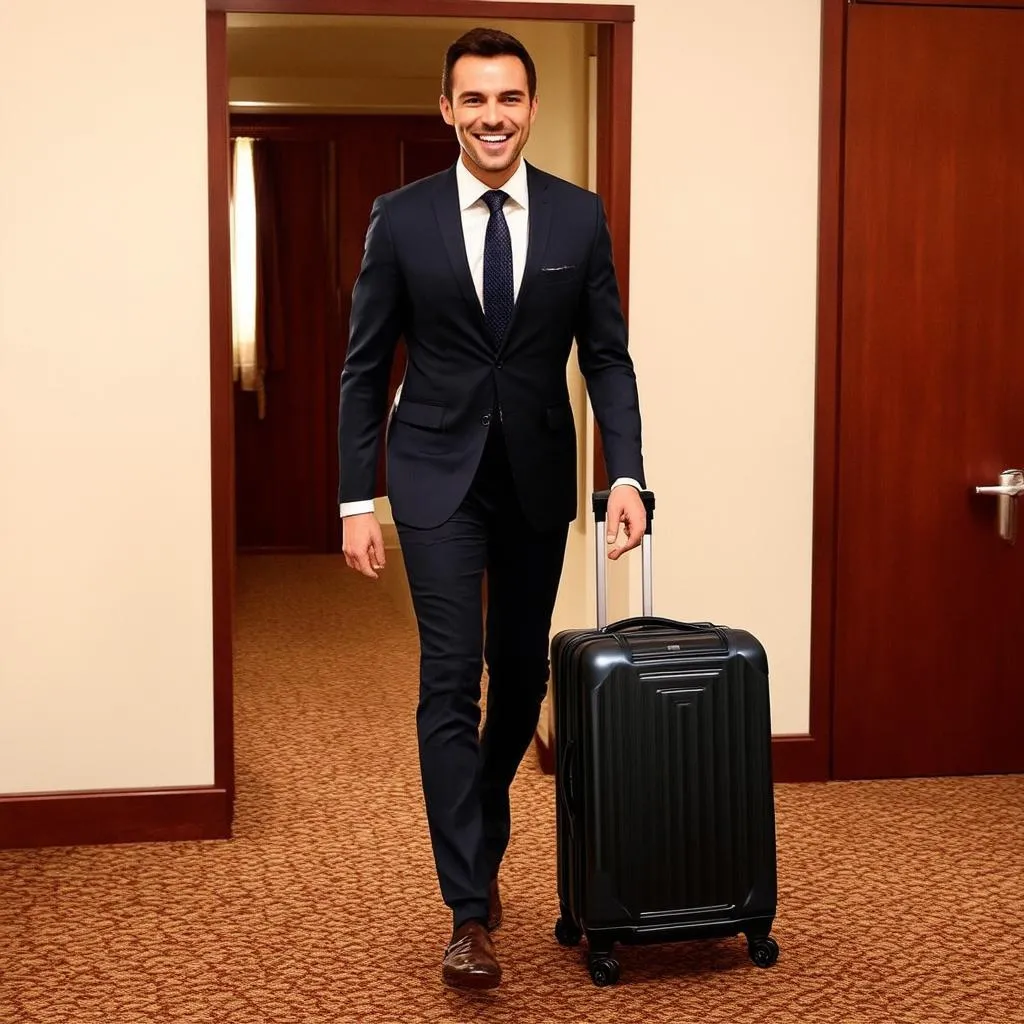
x=647 y=621
x=600 y=503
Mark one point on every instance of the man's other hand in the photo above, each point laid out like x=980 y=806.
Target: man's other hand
x=363 y=543
x=625 y=508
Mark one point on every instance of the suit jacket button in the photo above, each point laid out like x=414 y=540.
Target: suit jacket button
x=486 y=419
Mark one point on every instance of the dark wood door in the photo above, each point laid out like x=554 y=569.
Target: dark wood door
x=325 y=172
x=930 y=601
x=279 y=455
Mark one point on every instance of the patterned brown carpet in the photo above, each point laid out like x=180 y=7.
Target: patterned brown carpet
x=899 y=901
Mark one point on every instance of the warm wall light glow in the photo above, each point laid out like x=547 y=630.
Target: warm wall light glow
x=243 y=266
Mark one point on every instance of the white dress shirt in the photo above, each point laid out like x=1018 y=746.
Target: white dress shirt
x=475 y=215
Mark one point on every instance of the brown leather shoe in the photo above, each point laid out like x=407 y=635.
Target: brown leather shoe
x=494 y=909
x=470 y=961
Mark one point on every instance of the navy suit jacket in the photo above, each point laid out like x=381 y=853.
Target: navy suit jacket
x=415 y=282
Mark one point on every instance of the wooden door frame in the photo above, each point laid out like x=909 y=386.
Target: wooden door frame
x=615 y=64
x=796 y=758
x=809 y=758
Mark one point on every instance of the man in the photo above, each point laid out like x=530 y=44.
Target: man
x=488 y=270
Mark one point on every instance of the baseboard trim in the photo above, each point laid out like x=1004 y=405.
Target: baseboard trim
x=799 y=758
x=794 y=758
x=114 y=816
x=545 y=754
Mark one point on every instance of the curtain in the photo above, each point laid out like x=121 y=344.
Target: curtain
x=248 y=369
x=270 y=319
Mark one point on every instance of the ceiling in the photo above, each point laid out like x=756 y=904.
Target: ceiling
x=378 y=20
x=332 y=46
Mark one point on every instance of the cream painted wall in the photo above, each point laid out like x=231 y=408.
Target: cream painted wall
x=105 y=607
x=722 y=310
x=105 y=632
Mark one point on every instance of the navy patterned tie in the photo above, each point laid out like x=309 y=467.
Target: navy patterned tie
x=498 y=290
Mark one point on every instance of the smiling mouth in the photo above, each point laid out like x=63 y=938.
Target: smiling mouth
x=493 y=139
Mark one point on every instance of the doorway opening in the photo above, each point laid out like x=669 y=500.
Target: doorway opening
x=335 y=128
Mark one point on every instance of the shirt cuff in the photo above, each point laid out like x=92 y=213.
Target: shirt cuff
x=355 y=508
x=626 y=480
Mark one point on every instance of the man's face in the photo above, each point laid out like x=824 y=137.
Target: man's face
x=492 y=113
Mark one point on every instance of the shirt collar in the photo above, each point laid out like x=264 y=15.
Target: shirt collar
x=472 y=188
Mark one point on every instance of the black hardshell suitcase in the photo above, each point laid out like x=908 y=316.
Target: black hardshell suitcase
x=665 y=808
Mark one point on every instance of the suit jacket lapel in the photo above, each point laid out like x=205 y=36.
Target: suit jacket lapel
x=449 y=222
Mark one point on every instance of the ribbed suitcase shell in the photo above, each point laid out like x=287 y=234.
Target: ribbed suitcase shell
x=665 y=808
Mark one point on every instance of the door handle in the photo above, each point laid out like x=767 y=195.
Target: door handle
x=1011 y=484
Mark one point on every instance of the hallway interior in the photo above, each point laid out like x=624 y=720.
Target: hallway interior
x=899 y=901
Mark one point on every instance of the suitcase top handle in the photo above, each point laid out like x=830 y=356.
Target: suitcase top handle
x=653 y=624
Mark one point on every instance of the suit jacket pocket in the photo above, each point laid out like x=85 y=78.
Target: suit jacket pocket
x=421 y=414
x=558 y=274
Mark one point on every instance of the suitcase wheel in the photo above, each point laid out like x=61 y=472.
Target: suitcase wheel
x=764 y=950
x=604 y=970
x=567 y=934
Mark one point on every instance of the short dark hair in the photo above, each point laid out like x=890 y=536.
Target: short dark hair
x=487 y=42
